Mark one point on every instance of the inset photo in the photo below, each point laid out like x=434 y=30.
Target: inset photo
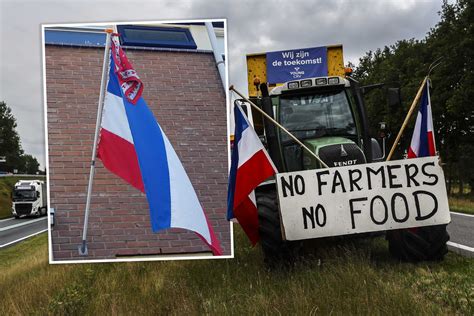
x=137 y=144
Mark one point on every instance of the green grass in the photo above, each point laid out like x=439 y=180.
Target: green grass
x=461 y=204
x=6 y=187
x=355 y=277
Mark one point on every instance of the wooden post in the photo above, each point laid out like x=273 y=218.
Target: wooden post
x=407 y=118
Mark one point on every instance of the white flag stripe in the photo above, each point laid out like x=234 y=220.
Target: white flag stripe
x=252 y=198
x=249 y=145
x=415 y=139
x=114 y=118
x=186 y=210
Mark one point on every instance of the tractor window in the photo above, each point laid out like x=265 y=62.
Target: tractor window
x=317 y=115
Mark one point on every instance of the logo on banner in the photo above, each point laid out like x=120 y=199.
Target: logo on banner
x=289 y=65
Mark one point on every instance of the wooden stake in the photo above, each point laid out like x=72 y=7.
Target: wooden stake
x=407 y=118
x=280 y=126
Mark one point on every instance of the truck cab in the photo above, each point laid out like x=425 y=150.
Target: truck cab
x=29 y=198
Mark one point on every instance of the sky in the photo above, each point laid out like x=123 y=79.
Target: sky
x=253 y=27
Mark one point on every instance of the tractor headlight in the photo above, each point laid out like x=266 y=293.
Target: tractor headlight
x=306 y=83
x=333 y=80
x=293 y=85
x=321 y=81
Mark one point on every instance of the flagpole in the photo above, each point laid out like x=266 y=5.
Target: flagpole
x=407 y=118
x=83 y=247
x=281 y=127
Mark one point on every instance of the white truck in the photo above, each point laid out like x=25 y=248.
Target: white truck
x=29 y=198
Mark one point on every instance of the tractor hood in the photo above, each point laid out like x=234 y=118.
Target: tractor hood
x=335 y=151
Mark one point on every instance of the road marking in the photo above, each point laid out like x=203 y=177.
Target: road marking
x=23 y=238
x=22 y=224
x=461 y=249
x=462 y=214
x=7 y=219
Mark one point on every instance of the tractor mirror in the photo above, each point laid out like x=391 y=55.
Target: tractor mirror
x=394 y=97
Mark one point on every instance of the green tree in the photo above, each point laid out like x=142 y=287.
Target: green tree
x=406 y=63
x=30 y=164
x=453 y=40
x=10 y=146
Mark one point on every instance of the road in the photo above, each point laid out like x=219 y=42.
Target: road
x=461 y=231
x=21 y=175
x=15 y=230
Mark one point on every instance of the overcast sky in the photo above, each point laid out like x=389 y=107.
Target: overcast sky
x=254 y=26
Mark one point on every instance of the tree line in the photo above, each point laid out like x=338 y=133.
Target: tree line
x=10 y=146
x=405 y=64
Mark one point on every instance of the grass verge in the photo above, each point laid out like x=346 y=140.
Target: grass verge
x=355 y=277
x=461 y=205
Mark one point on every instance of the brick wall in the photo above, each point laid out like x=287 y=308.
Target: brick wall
x=184 y=91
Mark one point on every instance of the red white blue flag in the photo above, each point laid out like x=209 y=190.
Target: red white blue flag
x=250 y=166
x=422 y=141
x=133 y=146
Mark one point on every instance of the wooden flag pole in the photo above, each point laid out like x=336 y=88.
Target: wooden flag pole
x=83 y=247
x=407 y=118
x=281 y=127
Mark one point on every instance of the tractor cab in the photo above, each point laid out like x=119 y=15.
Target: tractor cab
x=327 y=114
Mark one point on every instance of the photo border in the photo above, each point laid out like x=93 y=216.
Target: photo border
x=164 y=257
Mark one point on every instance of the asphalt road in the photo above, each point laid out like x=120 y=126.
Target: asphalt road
x=15 y=230
x=461 y=231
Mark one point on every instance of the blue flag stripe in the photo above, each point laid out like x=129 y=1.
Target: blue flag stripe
x=113 y=86
x=240 y=126
x=424 y=150
x=151 y=153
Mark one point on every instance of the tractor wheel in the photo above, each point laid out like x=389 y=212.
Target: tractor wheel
x=418 y=244
x=276 y=251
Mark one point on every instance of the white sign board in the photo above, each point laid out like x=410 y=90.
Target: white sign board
x=362 y=198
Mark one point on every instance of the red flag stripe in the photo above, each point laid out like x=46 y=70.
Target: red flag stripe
x=119 y=156
x=250 y=174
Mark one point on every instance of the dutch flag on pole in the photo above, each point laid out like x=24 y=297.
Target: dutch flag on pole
x=133 y=146
x=250 y=166
x=422 y=141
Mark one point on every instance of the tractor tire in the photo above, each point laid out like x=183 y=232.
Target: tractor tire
x=276 y=251
x=418 y=244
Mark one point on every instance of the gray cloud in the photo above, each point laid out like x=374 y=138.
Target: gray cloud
x=254 y=26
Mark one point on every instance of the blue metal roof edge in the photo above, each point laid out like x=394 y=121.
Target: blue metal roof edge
x=163 y=49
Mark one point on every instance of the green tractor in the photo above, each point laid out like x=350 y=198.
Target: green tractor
x=328 y=115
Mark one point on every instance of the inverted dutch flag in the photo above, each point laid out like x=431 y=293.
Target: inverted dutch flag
x=422 y=141
x=250 y=166
x=133 y=146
